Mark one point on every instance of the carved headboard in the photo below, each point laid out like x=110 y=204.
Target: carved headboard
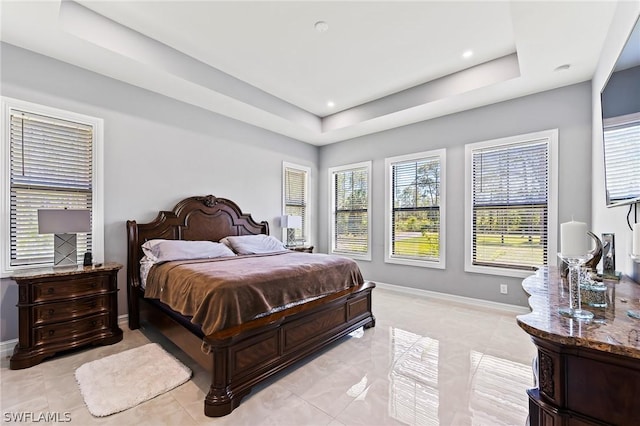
x=196 y=219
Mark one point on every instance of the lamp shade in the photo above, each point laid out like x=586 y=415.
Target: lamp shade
x=63 y=221
x=292 y=222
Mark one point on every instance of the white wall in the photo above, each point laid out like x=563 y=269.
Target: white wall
x=610 y=219
x=567 y=109
x=157 y=152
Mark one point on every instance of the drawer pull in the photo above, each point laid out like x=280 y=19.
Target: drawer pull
x=93 y=323
x=51 y=332
x=51 y=311
x=92 y=305
x=50 y=290
x=94 y=285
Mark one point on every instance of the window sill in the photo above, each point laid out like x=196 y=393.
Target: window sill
x=414 y=262
x=353 y=256
x=8 y=273
x=504 y=272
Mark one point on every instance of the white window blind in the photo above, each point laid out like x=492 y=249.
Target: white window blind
x=296 y=198
x=622 y=157
x=51 y=166
x=415 y=211
x=351 y=210
x=510 y=197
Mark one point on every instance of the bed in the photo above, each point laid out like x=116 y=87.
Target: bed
x=238 y=356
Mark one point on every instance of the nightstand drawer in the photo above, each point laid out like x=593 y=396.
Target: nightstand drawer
x=62 y=311
x=66 y=330
x=55 y=290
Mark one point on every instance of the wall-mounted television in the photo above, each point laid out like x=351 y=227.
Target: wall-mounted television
x=620 y=99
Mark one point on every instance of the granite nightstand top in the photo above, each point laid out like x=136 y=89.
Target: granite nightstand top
x=611 y=330
x=65 y=270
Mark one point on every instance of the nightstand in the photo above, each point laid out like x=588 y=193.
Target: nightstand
x=303 y=249
x=61 y=309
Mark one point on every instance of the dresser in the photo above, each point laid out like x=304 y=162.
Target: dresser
x=588 y=372
x=62 y=309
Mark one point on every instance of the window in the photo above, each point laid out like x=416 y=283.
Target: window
x=622 y=157
x=511 y=213
x=295 y=194
x=52 y=161
x=350 y=205
x=415 y=215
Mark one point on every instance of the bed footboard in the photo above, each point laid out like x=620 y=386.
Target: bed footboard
x=247 y=358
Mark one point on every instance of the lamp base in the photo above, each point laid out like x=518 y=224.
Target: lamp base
x=291 y=237
x=64 y=250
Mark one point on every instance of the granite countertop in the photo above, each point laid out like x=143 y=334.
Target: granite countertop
x=611 y=330
x=65 y=270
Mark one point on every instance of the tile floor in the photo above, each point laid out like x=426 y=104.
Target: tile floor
x=427 y=362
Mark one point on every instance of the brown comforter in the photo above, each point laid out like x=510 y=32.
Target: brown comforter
x=224 y=292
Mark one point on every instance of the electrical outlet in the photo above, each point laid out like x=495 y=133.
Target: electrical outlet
x=503 y=289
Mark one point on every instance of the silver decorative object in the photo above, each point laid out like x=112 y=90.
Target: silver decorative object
x=608 y=256
x=595 y=254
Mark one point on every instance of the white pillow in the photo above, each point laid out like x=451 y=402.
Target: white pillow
x=145 y=267
x=254 y=244
x=167 y=250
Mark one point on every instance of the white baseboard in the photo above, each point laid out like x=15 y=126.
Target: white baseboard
x=454 y=298
x=6 y=347
x=123 y=320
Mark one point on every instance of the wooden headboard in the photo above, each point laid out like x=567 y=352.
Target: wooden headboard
x=196 y=219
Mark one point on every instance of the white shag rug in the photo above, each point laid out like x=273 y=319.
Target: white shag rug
x=124 y=380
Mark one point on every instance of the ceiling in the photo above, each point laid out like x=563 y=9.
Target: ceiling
x=382 y=64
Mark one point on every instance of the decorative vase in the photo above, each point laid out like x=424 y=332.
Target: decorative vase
x=575 y=306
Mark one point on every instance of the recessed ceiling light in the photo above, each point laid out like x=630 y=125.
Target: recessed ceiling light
x=321 y=26
x=563 y=67
x=330 y=104
x=467 y=54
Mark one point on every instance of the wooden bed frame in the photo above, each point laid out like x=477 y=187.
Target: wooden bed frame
x=243 y=356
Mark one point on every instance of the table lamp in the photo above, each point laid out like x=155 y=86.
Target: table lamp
x=64 y=223
x=291 y=223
